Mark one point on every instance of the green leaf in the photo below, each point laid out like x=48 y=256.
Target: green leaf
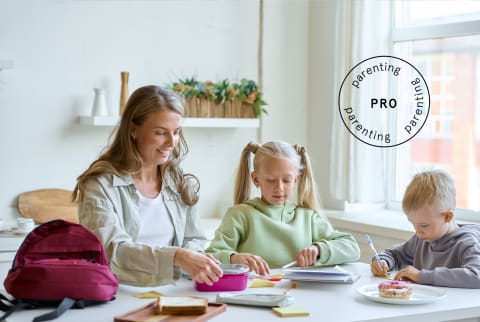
x=221 y=91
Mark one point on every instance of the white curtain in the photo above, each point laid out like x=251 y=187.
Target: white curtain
x=358 y=170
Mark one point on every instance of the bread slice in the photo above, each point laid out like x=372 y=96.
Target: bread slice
x=181 y=305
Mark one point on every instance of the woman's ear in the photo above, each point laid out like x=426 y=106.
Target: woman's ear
x=254 y=178
x=132 y=131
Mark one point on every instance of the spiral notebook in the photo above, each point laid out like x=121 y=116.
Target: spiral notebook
x=329 y=274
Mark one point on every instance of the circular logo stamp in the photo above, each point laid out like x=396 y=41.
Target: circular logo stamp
x=384 y=101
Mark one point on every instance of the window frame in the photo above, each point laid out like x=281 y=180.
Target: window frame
x=435 y=29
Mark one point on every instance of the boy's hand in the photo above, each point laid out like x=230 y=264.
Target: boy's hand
x=307 y=256
x=255 y=263
x=379 y=268
x=409 y=273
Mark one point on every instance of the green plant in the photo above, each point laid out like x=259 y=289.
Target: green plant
x=246 y=91
x=222 y=91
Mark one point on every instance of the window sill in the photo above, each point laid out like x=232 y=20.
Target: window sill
x=383 y=222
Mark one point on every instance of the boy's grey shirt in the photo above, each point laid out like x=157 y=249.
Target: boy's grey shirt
x=453 y=260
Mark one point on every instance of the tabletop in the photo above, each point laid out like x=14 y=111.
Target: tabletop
x=324 y=301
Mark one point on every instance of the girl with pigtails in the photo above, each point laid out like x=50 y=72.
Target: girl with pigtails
x=270 y=231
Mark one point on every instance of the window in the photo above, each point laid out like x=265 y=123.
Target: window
x=442 y=39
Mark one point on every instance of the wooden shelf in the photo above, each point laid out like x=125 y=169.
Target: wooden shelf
x=189 y=122
x=221 y=122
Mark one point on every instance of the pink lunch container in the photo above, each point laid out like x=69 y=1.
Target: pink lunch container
x=235 y=278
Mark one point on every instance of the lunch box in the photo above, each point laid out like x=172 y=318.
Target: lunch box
x=235 y=278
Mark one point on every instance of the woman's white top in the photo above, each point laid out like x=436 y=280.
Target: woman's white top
x=156 y=226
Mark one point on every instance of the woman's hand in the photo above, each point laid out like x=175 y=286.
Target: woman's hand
x=379 y=268
x=255 y=263
x=409 y=273
x=202 y=267
x=307 y=256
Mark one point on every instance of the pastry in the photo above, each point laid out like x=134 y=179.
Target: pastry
x=395 y=290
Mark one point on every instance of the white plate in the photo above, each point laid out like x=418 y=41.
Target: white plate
x=421 y=294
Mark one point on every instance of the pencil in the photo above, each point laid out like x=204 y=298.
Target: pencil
x=370 y=243
x=290 y=264
x=377 y=258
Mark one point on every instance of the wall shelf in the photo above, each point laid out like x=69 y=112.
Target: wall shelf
x=98 y=120
x=189 y=122
x=221 y=122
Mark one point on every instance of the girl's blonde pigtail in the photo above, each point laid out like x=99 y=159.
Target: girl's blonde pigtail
x=242 y=181
x=307 y=196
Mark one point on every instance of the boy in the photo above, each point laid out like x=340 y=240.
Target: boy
x=441 y=252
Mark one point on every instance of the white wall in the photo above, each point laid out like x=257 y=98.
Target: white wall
x=286 y=70
x=322 y=93
x=64 y=48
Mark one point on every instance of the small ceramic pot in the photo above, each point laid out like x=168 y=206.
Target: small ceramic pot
x=25 y=225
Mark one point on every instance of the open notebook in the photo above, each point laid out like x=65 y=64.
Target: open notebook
x=330 y=274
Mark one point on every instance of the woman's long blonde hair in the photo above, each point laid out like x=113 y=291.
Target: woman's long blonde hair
x=306 y=191
x=122 y=157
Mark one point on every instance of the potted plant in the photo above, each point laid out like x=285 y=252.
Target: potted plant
x=220 y=99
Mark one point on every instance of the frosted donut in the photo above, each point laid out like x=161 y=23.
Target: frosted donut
x=395 y=290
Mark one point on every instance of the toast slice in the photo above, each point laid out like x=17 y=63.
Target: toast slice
x=181 y=305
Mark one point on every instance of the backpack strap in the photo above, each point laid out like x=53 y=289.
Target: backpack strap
x=5 y=303
x=66 y=304
x=12 y=306
x=9 y=306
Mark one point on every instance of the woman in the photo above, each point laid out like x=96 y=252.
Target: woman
x=137 y=200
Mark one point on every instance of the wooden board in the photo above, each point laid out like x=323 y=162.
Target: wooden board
x=147 y=314
x=47 y=204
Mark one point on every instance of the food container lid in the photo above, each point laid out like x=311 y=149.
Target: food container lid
x=234 y=268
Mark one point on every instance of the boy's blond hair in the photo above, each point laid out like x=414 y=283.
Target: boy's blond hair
x=434 y=188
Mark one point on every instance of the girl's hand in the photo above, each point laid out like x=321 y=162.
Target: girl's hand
x=409 y=273
x=379 y=268
x=307 y=256
x=255 y=263
x=202 y=267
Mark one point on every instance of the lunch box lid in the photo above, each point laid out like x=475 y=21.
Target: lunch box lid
x=230 y=269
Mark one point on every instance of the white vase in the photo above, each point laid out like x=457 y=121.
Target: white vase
x=99 y=103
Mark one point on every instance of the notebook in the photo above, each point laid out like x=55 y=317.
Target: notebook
x=289 y=311
x=330 y=274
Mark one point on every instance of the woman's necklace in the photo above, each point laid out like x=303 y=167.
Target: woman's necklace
x=149 y=189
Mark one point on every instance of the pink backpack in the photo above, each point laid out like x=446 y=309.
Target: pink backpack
x=61 y=264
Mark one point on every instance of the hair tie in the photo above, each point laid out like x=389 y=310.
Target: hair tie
x=252 y=147
x=300 y=149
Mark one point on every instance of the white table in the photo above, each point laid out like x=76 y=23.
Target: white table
x=325 y=302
